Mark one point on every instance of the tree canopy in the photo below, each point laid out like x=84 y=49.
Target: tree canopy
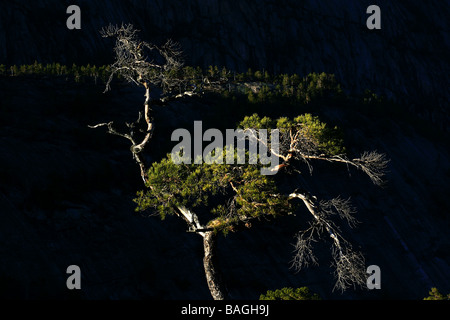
x=227 y=197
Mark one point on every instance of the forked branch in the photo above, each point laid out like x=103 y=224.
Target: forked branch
x=349 y=265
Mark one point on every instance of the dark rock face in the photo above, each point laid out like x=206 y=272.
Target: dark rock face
x=66 y=191
x=66 y=198
x=407 y=59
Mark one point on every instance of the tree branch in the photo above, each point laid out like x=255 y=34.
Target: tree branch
x=349 y=265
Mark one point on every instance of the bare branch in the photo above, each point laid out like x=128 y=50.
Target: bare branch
x=135 y=148
x=349 y=265
x=374 y=164
x=303 y=250
x=113 y=131
x=140 y=62
x=339 y=206
x=349 y=268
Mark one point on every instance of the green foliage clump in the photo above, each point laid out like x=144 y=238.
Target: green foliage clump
x=302 y=293
x=329 y=140
x=265 y=95
x=249 y=194
x=314 y=87
x=255 y=121
x=371 y=98
x=279 y=89
x=55 y=69
x=171 y=185
x=318 y=86
x=434 y=294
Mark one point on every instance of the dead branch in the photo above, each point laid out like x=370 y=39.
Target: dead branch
x=298 y=143
x=303 y=249
x=349 y=269
x=341 y=207
x=349 y=265
x=142 y=63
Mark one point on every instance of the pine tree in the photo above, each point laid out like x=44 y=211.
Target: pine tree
x=74 y=69
x=251 y=96
x=23 y=70
x=249 y=75
x=232 y=196
x=295 y=80
x=240 y=77
x=267 y=77
x=286 y=80
x=211 y=71
x=258 y=75
x=14 y=70
x=224 y=73
x=37 y=68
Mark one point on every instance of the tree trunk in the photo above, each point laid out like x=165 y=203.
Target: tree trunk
x=213 y=276
x=148 y=120
x=137 y=149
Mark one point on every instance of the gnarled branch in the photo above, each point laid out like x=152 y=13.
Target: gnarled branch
x=349 y=265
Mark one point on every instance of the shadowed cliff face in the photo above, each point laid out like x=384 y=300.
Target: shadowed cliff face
x=66 y=198
x=66 y=191
x=406 y=59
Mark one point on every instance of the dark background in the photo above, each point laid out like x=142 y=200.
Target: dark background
x=66 y=191
x=407 y=59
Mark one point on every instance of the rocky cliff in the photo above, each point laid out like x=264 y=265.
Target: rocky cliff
x=407 y=59
x=66 y=199
x=66 y=191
